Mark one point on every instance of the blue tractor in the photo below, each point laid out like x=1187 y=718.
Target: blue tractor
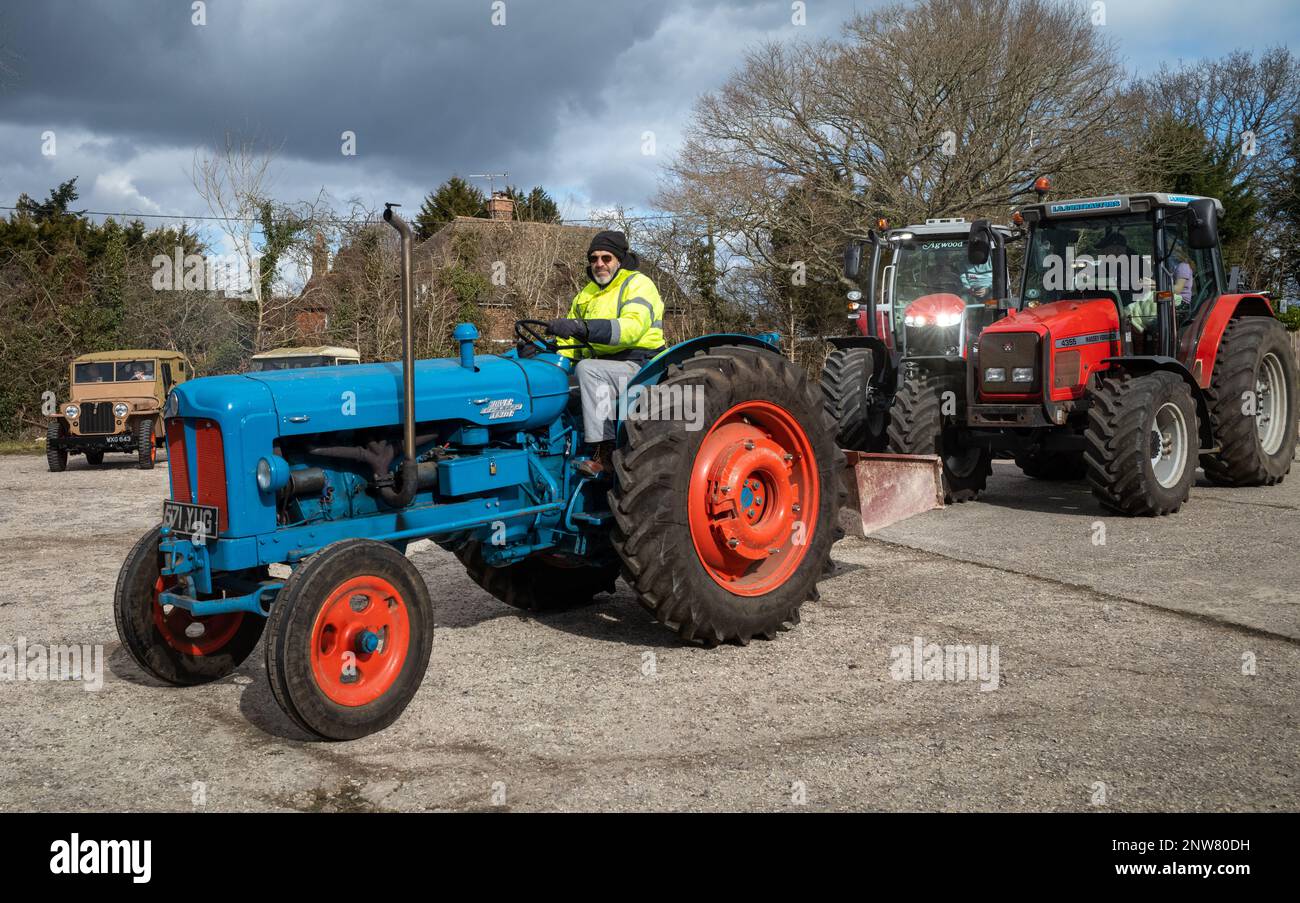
x=720 y=514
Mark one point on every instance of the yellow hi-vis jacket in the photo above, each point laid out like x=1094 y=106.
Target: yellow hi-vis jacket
x=625 y=319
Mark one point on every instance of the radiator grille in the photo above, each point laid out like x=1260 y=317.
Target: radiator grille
x=209 y=456
x=96 y=418
x=177 y=463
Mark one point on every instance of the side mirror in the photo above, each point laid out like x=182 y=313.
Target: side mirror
x=980 y=242
x=852 y=259
x=1202 y=224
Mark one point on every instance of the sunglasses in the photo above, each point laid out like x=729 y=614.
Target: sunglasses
x=601 y=258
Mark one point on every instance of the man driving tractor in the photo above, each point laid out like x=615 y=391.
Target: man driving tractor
x=619 y=315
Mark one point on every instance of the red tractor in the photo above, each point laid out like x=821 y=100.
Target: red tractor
x=1128 y=359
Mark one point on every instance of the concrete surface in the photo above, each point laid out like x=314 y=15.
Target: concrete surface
x=1120 y=680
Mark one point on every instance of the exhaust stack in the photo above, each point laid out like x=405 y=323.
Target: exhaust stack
x=402 y=497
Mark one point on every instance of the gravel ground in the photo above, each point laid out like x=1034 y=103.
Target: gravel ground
x=1120 y=679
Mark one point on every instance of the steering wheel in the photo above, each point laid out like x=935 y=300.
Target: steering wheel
x=532 y=333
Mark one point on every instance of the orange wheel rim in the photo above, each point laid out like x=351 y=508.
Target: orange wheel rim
x=359 y=641
x=753 y=498
x=188 y=634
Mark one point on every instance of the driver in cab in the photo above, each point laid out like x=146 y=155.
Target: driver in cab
x=619 y=316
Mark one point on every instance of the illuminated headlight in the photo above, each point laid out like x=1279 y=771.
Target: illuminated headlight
x=948 y=319
x=1022 y=375
x=995 y=375
x=914 y=320
x=72 y=412
x=121 y=409
x=272 y=474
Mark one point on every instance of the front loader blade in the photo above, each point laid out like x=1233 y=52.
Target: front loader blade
x=886 y=488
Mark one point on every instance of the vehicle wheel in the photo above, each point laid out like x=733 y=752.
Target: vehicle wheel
x=1251 y=399
x=348 y=639
x=846 y=384
x=56 y=458
x=1141 y=443
x=146 y=448
x=94 y=458
x=725 y=520
x=537 y=584
x=1054 y=466
x=167 y=641
x=919 y=427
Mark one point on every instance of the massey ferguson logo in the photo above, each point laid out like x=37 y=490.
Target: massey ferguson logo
x=500 y=408
x=1008 y=347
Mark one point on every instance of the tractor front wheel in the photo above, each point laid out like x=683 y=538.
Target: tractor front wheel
x=847 y=387
x=537 y=584
x=348 y=639
x=1252 y=404
x=726 y=493
x=166 y=640
x=1141 y=443
x=921 y=426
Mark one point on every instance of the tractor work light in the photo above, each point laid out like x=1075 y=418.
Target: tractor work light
x=947 y=319
x=995 y=375
x=914 y=320
x=121 y=409
x=854 y=295
x=72 y=412
x=1022 y=375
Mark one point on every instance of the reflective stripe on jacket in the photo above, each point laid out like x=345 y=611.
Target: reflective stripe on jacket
x=625 y=319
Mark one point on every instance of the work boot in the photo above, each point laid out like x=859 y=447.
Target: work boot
x=600 y=463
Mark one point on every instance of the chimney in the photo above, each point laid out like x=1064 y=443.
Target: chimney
x=320 y=257
x=500 y=207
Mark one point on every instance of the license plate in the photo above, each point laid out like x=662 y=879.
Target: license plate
x=186 y=521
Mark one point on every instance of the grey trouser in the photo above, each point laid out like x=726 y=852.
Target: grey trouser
x=601 y=382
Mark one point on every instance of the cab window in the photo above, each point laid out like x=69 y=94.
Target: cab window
x=93 y=373
x=1187 y=272
x=134 y=371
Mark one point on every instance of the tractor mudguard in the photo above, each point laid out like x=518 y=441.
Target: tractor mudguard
x=1215 y=321
x=655 y=369
x=1140 y=364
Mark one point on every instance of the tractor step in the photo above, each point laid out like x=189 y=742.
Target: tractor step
x=886 y=488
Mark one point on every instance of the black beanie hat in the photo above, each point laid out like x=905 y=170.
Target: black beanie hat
x=616 y=244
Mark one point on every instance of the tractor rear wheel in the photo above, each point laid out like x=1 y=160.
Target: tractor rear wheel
x=535 y=584
x=920 y=427
x=55 y=458
x=726 y=494
x=146 y=450
x=847 y=387
x=1141 y=443
x=348 y=639
x=1252 y=404
x=1054 y=466
x=166 y=640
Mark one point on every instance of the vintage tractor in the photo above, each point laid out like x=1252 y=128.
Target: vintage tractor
x=898 y=383
x=115 y=401
x=1128 y=359
x=720 y=513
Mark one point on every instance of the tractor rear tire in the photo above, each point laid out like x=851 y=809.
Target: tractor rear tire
x=535 y=585
x=725 y=520
x=172 y=645
x=1052 y=466
x=145 y=447
x=919 y=427
x=347 y=593
x=1252 y=404
x=1141 y=443
x=846 y=382
x=55 y=458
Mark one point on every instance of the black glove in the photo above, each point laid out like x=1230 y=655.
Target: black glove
x=567 y=328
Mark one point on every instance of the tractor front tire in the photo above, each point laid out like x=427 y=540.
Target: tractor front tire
x=1140 y=443
x=348 y=639
x=146 y=449
x=919 y=427
x=55 y=458
x=1052 y=466
x=167 y=641
x=846 y=387
x=1252 y=405
x=534 y=584
x=726 y=494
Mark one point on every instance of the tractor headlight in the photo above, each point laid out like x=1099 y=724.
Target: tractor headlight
x=72 y=412
x=948 y=319
x=995 y=375
x=272 y=473
x=854 y=295
x=1022 y=375
x=914 y=320
x=121 y=409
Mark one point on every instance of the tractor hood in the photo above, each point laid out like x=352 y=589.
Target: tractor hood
x=499 y=391
x=1063 y=318
x=938 y=309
